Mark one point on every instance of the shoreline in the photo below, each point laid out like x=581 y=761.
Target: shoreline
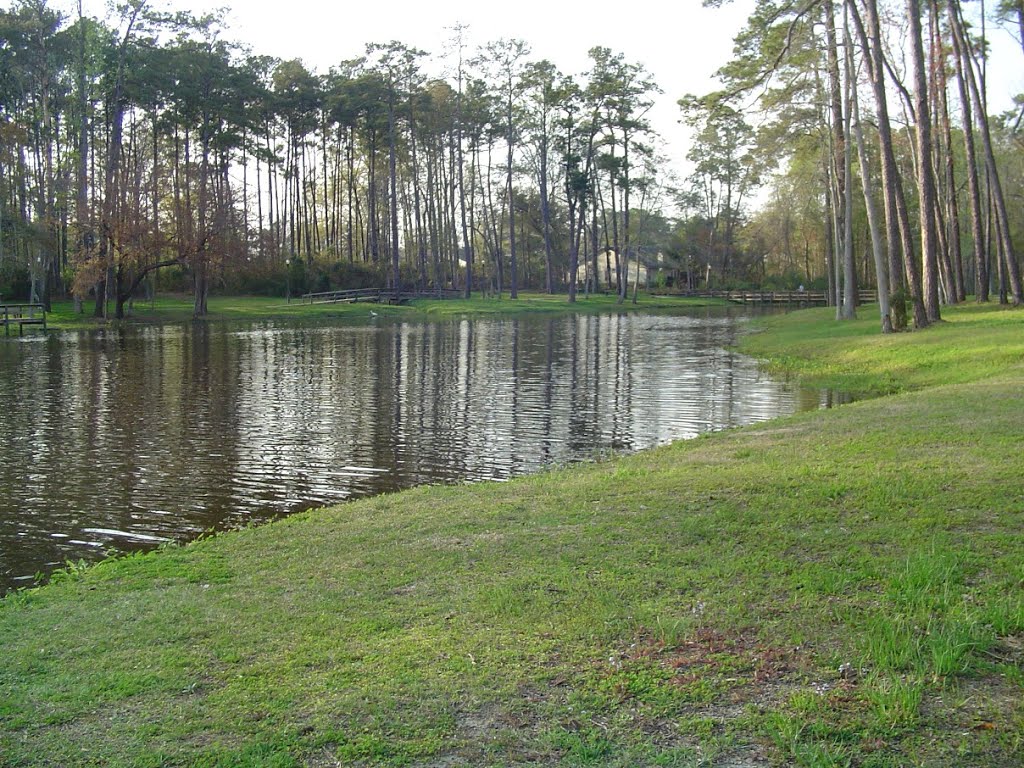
x=172 y=309
x=101 y=527
x=833 y=586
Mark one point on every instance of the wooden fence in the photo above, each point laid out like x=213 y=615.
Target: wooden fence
x=791 y=298
x=379 y=295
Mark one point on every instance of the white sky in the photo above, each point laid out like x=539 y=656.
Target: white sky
x=678 y=41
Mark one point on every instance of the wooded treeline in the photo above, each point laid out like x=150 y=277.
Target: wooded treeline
x=890 y=163
x=147 y=144
x=153 y=143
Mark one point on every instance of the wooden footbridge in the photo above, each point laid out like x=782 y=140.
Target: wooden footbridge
x=379 y=295
x=22 y=315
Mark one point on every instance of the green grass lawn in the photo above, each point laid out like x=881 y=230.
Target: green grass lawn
x=972 y=342
x=179 y=308
x=836 y=588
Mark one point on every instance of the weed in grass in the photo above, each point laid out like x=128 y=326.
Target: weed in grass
x=671 y=632
x=950 y=644
x=807 y=703
x=927 y=625
x=927 y=646
x=785 y=731
x=892 y=643
x=895 y=702
x=795 y=740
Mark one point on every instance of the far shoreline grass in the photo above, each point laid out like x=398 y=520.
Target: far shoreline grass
x=171 y=309
x=838 y=587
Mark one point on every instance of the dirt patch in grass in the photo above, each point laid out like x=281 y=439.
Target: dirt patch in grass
x=979 y=705
x=1009 y=649
x=491 y=733
x=704 y=692
x=981 y=721
x=738 y=655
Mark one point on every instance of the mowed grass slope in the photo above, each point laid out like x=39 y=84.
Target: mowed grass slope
x=971 y=343
x=836 y=588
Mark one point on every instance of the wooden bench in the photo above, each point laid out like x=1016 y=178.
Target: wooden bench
x=22 y=315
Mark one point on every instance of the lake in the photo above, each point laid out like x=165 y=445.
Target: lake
x=118 y=440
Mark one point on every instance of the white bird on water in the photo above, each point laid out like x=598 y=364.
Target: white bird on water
x=372 y=313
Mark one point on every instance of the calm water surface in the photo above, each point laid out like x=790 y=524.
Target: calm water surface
x=119 y=440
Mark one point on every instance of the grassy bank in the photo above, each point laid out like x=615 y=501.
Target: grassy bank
x=836 y=588
x=971 y=343
x=179 y=308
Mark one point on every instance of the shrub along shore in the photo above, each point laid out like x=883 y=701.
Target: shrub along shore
x=840 y=587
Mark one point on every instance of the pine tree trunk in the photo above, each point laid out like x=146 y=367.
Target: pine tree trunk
x=1012 y=270
x=927 y=201
x=513 y=267
x=892 y=191
x=881 y=271
x=981 y=272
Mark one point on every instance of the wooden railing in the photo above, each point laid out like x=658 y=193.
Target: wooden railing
x=804 y=298
x=22 y=315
